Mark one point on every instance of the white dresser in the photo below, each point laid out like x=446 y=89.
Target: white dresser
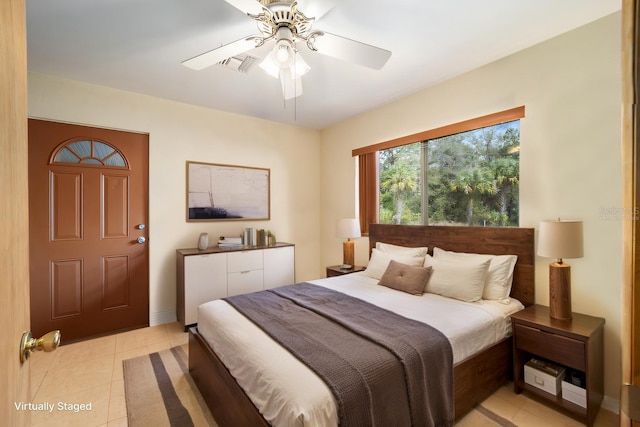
x=213 y=273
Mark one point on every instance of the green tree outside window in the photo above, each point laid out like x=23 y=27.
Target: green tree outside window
x=470 y=178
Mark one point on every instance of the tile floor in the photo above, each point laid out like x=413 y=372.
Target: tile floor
x=91 y=372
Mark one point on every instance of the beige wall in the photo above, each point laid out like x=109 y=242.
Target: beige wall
x=570 y=156
x=180 y=132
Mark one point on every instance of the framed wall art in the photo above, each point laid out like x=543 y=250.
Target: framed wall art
x=217 y=192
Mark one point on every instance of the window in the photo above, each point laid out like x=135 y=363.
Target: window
x=85 y=152
x=468 y=178
x=466 y=173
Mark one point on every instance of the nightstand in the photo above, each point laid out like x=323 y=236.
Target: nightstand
x=335 y=270
x=576 y=343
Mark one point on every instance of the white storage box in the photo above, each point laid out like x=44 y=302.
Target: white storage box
x=574 y=394
x=544 y=375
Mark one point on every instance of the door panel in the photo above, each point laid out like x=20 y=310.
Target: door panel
x=66 y=288
x=66 y=196
x=87 y=186
x=115 y=209
x=116 y=281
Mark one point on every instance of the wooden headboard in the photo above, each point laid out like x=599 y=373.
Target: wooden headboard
x=481 y=240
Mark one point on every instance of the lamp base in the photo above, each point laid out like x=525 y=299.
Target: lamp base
x=348 y=252
x=560 y=291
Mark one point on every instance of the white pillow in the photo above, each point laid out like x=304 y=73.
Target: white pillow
x=401 y=250
x=380 y=261
x=463 y=281
x=499 y=275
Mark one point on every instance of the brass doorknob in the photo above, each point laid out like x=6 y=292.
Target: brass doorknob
x=47 y=342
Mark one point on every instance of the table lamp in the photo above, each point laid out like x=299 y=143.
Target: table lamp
x=560 y=239
x=348 y=228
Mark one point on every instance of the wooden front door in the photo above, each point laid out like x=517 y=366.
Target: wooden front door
x=88 y=211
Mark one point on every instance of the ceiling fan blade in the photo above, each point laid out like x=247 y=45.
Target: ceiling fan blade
x=221 y=53
x=252 y=7
x=351 y=50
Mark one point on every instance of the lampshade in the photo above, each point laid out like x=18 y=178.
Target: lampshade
x=284 y=56
x=560 y=239
x=285 y=63
x=348 y=228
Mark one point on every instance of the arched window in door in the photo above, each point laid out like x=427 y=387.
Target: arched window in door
x=88 y=152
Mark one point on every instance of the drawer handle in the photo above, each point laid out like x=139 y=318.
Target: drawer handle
x=245 y=272
x=536 y=330
x=548 y=333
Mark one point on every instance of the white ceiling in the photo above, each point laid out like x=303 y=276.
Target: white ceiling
x=138 y=46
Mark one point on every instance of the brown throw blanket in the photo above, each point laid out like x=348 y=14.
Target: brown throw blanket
x=383 y=369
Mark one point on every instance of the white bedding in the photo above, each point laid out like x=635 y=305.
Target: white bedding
x=287 y=393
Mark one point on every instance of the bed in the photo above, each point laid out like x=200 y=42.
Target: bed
x=475 y=376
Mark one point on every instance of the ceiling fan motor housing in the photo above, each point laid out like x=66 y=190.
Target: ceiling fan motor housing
x=279 y=14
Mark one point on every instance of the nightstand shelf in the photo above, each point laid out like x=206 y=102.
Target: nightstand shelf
x=335 y=270
x=576 y=344
x=577 y=410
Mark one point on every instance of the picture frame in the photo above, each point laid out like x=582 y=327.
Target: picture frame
x=220 y=192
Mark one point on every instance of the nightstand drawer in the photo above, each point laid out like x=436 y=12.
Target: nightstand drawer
x=567 y=351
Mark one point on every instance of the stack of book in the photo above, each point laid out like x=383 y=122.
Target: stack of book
x=230 y=242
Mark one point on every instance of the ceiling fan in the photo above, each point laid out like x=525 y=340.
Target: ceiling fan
x=282 y=21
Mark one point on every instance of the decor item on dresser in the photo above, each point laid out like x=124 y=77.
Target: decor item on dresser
x=257 y=237
x=560 y=239
x=203 y=241
x=217 y=192
x=230 y=242
x=348 y=228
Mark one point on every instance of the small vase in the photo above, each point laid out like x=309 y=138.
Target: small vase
x=203 y=241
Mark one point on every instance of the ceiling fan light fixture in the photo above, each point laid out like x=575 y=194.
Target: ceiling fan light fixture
x=284 y=57
x=269 y=65
x=283 y=53
x=300 y=66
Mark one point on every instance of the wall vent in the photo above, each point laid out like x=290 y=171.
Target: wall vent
x=240 y=63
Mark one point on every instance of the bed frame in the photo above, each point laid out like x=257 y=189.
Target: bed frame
x=475 y=378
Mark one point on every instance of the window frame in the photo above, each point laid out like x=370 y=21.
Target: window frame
x=368 y=157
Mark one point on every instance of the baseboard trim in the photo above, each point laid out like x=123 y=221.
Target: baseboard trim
x=611 y=404
x=162 y=317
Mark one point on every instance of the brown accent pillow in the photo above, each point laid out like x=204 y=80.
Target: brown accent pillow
x=405 y=278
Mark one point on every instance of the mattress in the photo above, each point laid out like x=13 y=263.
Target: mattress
x=287 y=393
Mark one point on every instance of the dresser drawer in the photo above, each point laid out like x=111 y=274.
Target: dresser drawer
x=557 y=348
x=245 y=282
x=238 y=262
